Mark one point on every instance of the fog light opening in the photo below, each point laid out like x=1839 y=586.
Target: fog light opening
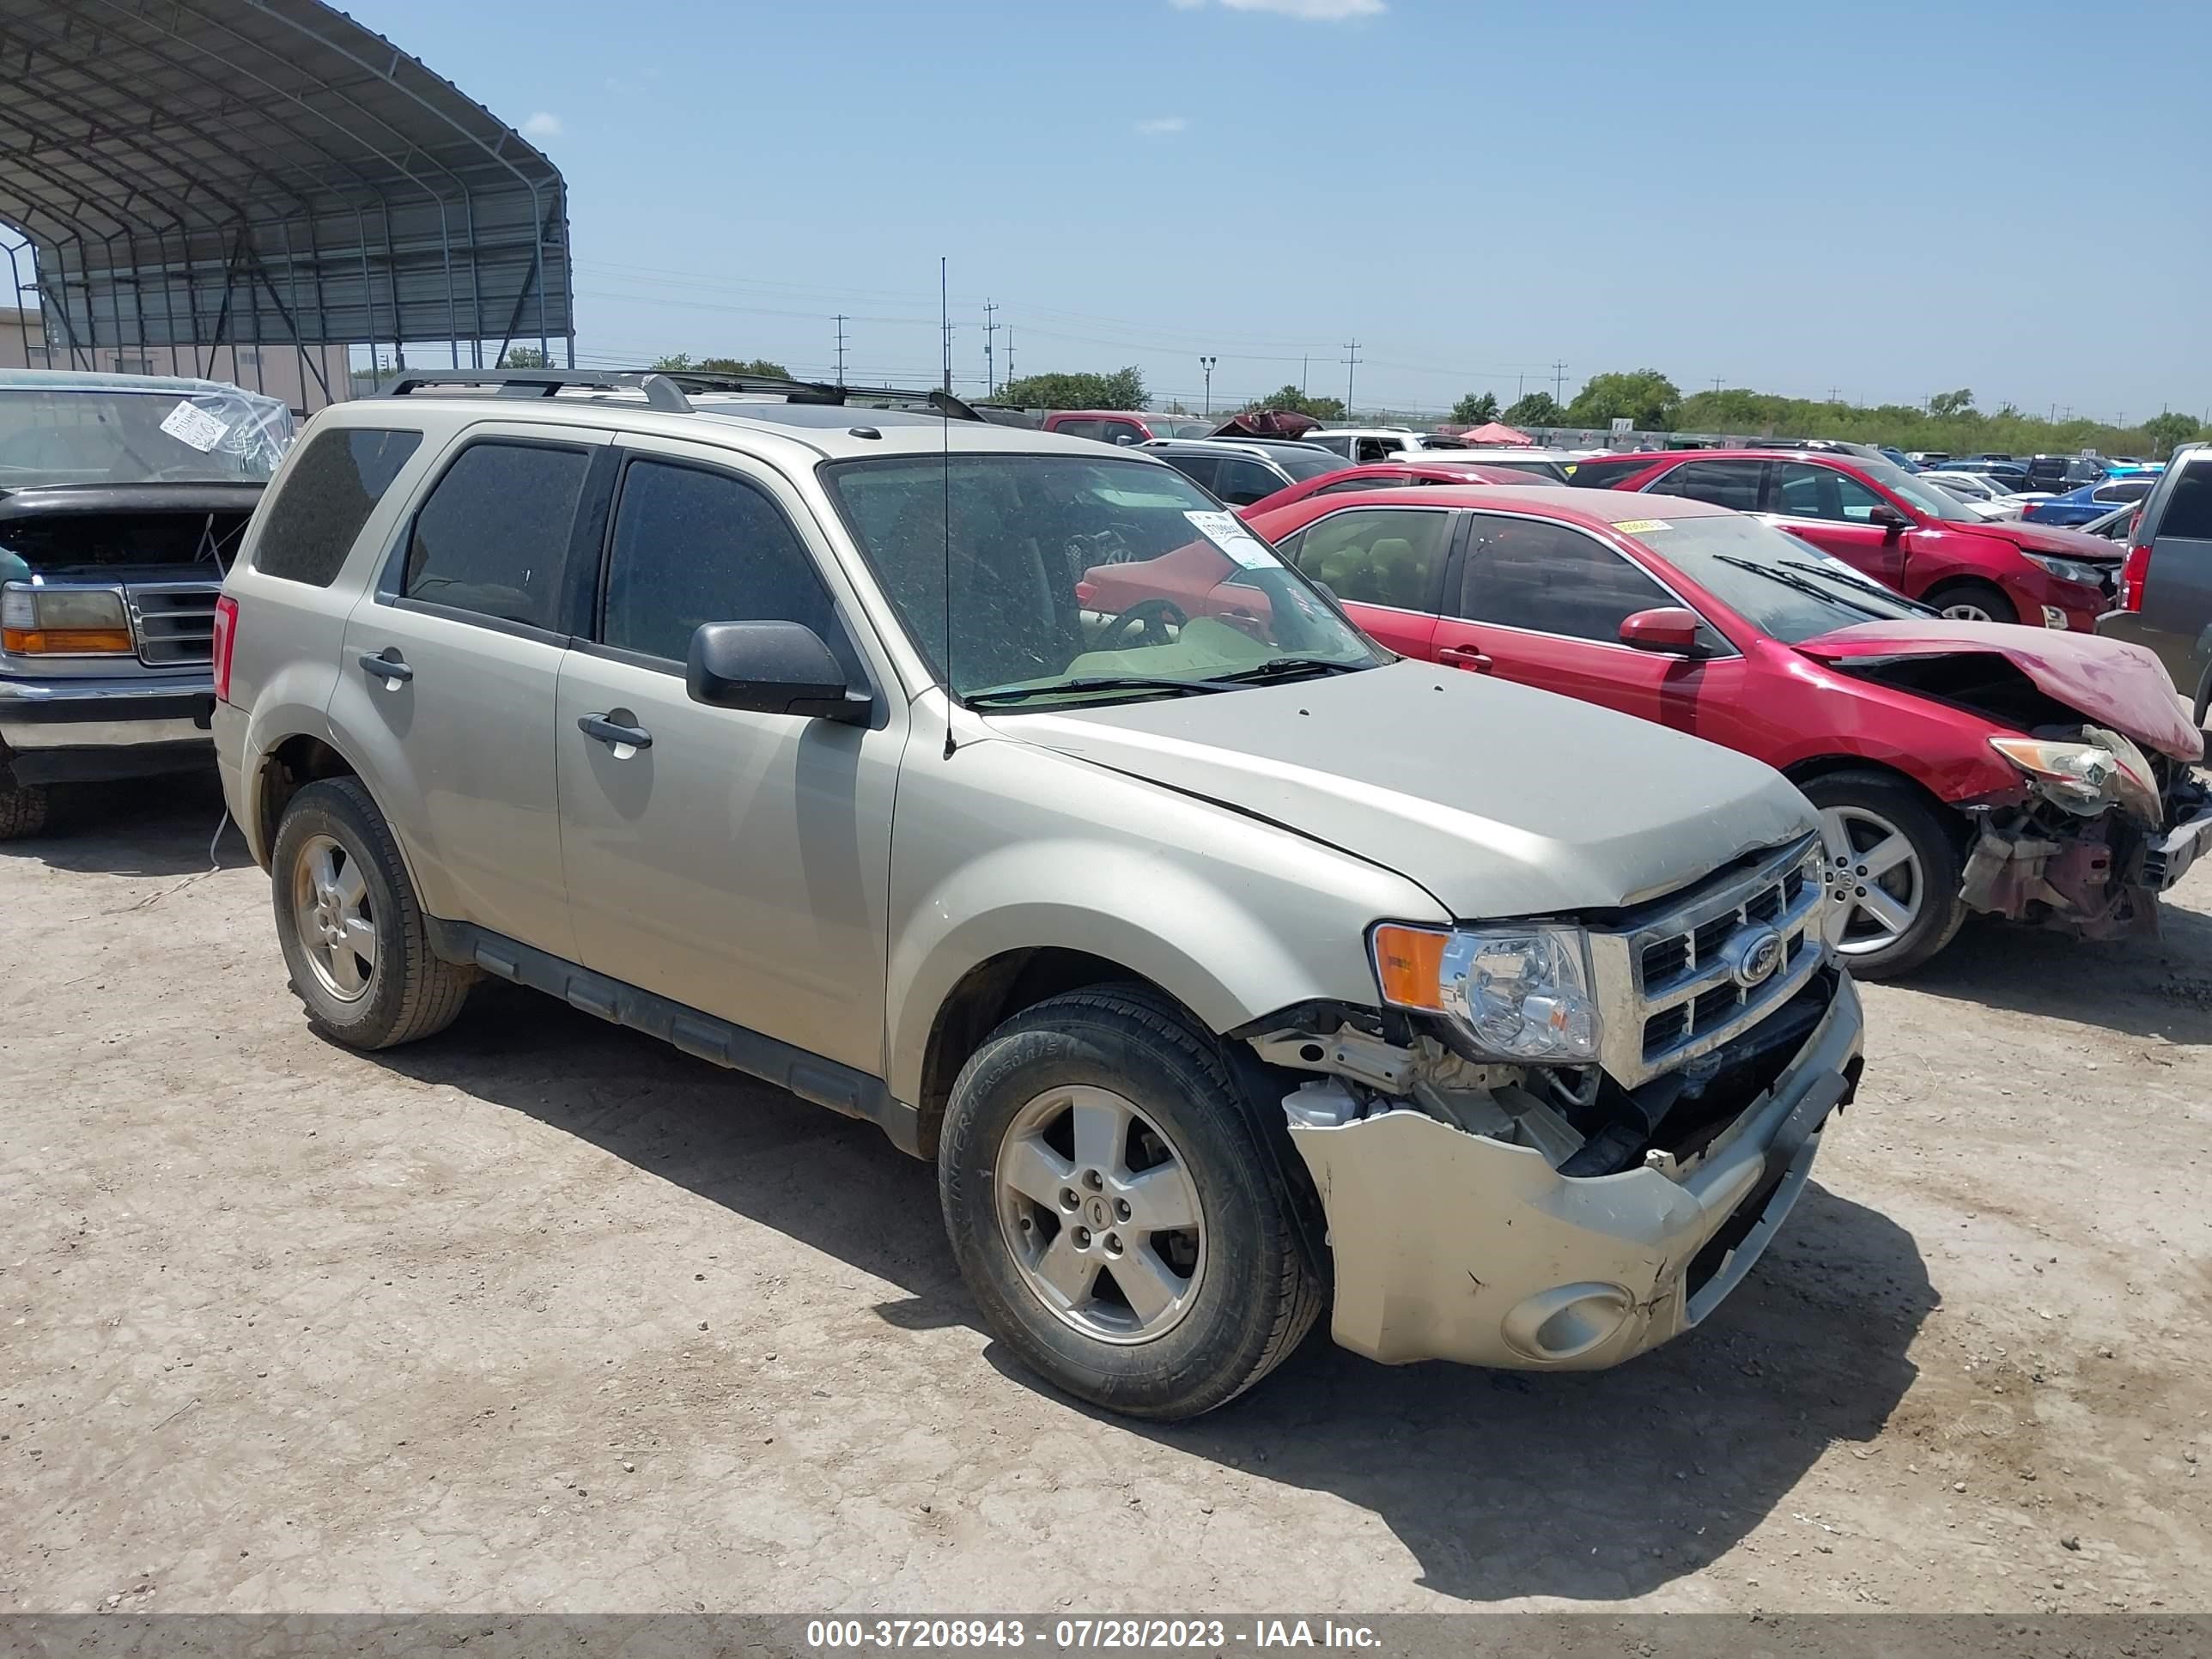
x=1570 y=1321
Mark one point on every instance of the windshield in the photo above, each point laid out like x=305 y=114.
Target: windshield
x=1935 y=502
x=1780 y=585
x=1167 y=426
x=86 y=435
x=1068 y=571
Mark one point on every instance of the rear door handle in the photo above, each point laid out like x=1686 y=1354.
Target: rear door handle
x=1467 y=657
x=391 y=670
x=615 y=733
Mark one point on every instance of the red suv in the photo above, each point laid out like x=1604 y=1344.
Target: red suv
x=1957 y=766
x=1905 y=534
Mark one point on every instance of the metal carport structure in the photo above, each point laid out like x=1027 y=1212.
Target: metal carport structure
x=194 y=173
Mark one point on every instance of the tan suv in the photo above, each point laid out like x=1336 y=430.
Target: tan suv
x=1223 y=961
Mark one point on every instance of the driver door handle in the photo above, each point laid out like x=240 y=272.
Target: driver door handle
x=1464 y=656
x=391 y=670
x=612 y=732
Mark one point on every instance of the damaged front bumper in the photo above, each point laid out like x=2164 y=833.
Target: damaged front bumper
x=1449 y=1245
x=2100 y=878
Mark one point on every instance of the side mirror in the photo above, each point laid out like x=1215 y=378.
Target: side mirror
x=1893 y=523
x=770 y=668
x=1669 y=627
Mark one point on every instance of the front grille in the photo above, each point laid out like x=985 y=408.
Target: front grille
x=174 y=622
x=1684 y=994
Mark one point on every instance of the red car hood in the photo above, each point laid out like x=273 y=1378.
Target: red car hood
x=2054 y=539
x=2108 y=681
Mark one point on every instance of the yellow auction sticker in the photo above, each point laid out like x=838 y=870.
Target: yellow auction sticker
x=1637 y=526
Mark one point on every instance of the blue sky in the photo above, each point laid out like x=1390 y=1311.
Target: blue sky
x=1885 y=199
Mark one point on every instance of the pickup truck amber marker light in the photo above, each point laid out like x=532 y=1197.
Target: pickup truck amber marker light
x=65 y=641
x=1409 y=963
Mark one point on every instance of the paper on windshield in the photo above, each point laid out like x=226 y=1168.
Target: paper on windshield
x=194 y=426
x=1226 y=532
x=1640 y=526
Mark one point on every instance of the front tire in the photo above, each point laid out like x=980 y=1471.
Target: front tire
x=1108 y=1203
x=23 y=806
x=1891 y=871
x=1974 y=602
x=350 y=926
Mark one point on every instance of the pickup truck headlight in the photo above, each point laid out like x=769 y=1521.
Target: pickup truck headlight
x=2071 y=570
x=2088 y=777
x=1521 y=993
x=63 y=621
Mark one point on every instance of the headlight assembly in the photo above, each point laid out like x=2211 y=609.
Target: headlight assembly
x=2072 y=570
x=1520 y=994
x=2088 y=777
x=36 y=620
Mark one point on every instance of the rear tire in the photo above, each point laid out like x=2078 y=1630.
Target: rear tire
x=1893 y=903
x=23 y=806
x=350 y=926
x=1078 y=1136
x=1974 y=602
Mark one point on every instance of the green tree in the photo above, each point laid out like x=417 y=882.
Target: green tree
x=1290 y=397
x=678 y=362
x=1944 y=406
x=1537 y=409
x=1475 y=409
x=2167 y=430
x=1646 y=397
x=524 y=357
x=1123 y=389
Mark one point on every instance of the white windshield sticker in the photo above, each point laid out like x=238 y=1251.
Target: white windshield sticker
x=1224 y=530
x=194 y=427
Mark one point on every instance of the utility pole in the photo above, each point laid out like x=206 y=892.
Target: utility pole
x=1207 y=363
x=1304 y=358
x=1832 y=394
x=1350 y=365
x=841 y=320
x=990 y=328
x=1716 y=382
x=1010 y=354
x=944 y=317
x=1559 y=381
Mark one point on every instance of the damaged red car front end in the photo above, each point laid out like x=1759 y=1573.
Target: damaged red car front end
x=2106 y=811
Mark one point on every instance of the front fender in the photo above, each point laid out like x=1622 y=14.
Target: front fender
x=1232 y=917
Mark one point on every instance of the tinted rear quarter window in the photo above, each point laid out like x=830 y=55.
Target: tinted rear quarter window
x=1724 y=484
x=494 y=532
x=1604 y=474
x=327 y=497
x=2189 y=509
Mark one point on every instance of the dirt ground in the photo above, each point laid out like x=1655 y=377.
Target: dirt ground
x=542 y=1315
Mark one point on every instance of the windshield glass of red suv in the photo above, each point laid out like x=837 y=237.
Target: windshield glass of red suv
x=1935 y=502
x=1781 y=585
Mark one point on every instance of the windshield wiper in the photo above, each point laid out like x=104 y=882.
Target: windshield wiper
x=1889 y=595
x=1282 y=667
x=1003 y=693
x=1773 y=574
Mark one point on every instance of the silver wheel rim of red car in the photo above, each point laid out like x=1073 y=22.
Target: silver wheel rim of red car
x=1966 y=612
x=1117 y=1252
x=1876 y=887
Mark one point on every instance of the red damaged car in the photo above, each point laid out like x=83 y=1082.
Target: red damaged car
x=2044 y=776
x=1907 y=535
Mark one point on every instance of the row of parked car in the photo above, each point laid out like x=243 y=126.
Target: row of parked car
x=1425 y=901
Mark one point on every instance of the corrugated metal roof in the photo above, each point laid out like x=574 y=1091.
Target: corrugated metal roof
x=197 y=171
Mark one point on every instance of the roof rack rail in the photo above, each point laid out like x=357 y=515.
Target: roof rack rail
x=667 y=389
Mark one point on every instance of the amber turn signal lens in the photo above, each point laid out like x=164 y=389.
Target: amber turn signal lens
x=66 y=641
x=1409 y=965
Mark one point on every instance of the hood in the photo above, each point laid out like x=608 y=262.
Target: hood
x=1499 y=799
x=2059 y=540
x=2107 y=682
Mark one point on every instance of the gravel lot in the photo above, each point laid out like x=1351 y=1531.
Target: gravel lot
x=542 y=1315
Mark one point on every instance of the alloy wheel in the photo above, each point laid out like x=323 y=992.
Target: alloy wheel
x=331 y=913
x=1876 y=887
x=1966 y=610
x=1097 y=1206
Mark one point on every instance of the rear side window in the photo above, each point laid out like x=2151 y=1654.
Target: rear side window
x=1604 y=474
x=1201 y=470
x=2189 y=509
x=692 y=547
x=327 y=497
x=1382 y=555
x=1724 y=484
x=1081 y=428
x=493 y=534
x=1241 y=482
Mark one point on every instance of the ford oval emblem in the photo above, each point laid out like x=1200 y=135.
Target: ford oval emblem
x=1753 y=955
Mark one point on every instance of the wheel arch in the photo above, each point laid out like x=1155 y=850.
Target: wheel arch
x=1816 y=767
x=290 y=765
